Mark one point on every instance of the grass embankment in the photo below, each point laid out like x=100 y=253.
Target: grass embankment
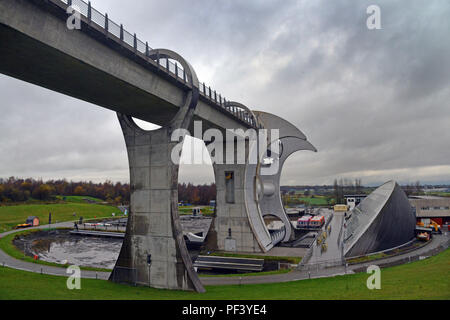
x=10 y=216
x=7 y=246
x=400 y=282
x=367 y=258
x=382 y=255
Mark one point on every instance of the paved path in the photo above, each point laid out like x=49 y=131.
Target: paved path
x=334 y=250
x=438 y=241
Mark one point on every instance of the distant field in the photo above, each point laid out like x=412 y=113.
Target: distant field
x=439 y=194
x=426 y=279
x=207 y=210
x=10 y=216
x=317 y=201
x=78 y=199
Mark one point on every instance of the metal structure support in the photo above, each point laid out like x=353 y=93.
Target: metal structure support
x=290 y=140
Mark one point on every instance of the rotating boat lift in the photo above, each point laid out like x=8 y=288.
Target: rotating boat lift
x=239 y=224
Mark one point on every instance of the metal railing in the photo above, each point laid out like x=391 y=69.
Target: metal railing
x=278 y=235
x=386 y=251
x=323 y=264
x=138 y=46
x=101 y=227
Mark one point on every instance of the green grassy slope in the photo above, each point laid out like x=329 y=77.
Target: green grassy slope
x=10 y=216
x=79 y=199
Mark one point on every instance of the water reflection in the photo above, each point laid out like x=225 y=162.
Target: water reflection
x=82 y=251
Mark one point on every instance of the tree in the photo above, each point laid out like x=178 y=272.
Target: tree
x=42 y=192
x=418 y=188
x=118 y=200
x=79 y=191
x=336 y=191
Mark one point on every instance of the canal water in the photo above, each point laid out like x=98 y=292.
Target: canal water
x=59 y=246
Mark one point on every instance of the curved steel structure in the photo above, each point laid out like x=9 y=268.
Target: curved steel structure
x=383 y=220
x=290 y=140
x=240 y=225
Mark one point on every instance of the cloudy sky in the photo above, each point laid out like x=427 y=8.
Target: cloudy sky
x=375 y=103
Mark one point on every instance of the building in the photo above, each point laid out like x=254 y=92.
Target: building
x=340 y=208
x=34 y=221
x=383 y=220
x=431 y=208
x=352 y=200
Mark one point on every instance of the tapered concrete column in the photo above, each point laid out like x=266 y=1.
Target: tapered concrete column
x=154 y=252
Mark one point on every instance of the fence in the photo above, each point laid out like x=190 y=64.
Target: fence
x=277 y=236
x=413 y=257
x=384 y=251
x=103 y=227
x=136 y=45
x=321 y=265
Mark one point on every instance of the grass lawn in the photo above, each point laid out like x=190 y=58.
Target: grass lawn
x=316 y=201
x=78 y=199
x=10 y=216
x=426 y=279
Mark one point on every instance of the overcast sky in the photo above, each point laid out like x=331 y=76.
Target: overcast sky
x=375 y=103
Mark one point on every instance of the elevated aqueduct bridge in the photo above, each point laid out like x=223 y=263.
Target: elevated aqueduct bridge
x=105 y=65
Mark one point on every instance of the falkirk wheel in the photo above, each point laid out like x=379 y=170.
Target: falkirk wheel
x=154 y=251
x=246 y=193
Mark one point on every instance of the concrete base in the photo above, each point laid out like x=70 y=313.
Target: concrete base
x=154 y=252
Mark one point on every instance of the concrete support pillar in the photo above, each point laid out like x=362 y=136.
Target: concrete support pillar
x=154 y=252
x=231 y=225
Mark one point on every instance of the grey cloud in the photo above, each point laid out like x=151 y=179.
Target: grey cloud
x=368 y=100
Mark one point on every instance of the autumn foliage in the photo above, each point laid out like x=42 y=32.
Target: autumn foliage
x=20 y=190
